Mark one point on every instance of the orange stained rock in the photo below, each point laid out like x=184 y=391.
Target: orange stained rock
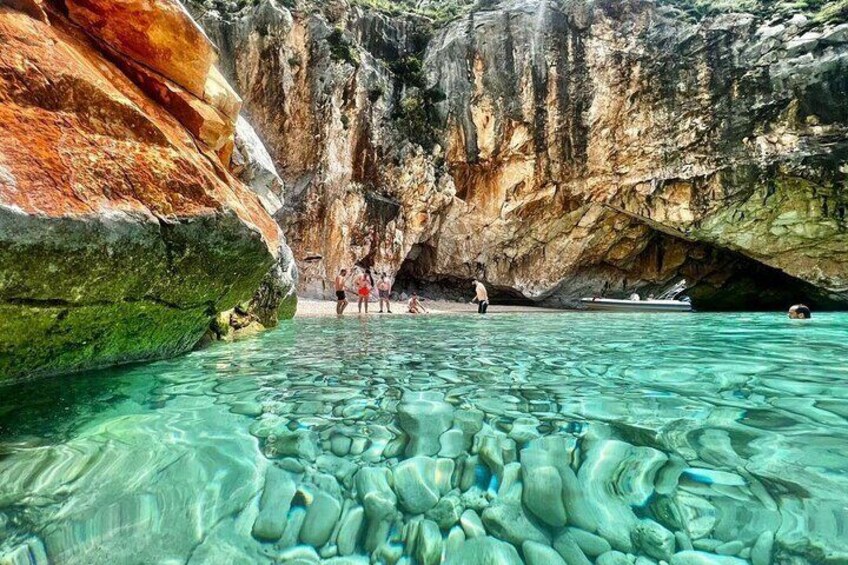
x=78 y=138
x=159 y=34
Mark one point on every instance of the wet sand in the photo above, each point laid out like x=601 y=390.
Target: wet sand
x=312 y=308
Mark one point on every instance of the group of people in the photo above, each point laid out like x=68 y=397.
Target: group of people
x=364 y=286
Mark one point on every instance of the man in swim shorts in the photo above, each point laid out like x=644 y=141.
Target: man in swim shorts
x=384 y=290
x=481 y=298
x=341 y=297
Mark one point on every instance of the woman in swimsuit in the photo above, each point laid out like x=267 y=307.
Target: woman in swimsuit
x=364 y=284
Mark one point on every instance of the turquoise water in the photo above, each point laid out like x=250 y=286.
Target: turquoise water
x=691 y=439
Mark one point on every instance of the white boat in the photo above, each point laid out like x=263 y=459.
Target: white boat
x=613 y=305
x=669 y=301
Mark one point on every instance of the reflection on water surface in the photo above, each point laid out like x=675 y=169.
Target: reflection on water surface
x=576 y=438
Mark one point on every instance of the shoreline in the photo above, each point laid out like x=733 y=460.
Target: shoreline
x=316 y=308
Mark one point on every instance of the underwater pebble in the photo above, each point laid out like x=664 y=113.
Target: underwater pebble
x=542 y=489
x=539 y=554
x=470 y=422
x=340 y=445
x=472 y=525
x=683 y=541
x=424 y=416
x=653 y=539
x=322 y=513
x=485 y=551
x=348 y=560
x=246 y=408
x=350 y=530
x=454 y=541
x=293 y=525
x=511 y=475
x=301 y=554
x=592 y=545
x=447 y=511
x=300 y=443
x=612 y=558
x=452 y=443
x=274 y=505
x=505 y=519
x=421 y=481
x=730 y=548
x=703 y=558
x=524 y=430
x=429 y=546
x=761 y=552
x=569 y=550
x=706 y=544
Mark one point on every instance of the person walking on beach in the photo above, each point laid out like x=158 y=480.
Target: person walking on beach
x=384 y=291
x=364 y=284
x=341 y=296
x=481 y=298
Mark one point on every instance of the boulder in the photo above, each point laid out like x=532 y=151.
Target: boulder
x=121 y=236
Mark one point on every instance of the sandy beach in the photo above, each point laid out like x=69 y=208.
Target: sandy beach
x=313 y=308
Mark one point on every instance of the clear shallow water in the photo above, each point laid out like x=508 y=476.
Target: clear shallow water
x=576 y=435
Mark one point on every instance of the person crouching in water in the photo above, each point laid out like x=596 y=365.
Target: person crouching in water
x=364 y=284
x=415 y=306
x=481 y=298
x=341 y=296
x=384 y=291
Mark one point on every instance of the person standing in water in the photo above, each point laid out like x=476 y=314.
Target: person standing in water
x=341 y=297
x=481 y=298
x=384 y=291
x=364 y=284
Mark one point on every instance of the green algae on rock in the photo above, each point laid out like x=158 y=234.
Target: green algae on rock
x=121 y=234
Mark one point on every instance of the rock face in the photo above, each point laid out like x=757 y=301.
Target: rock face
x=122 y=229
x=555 y=149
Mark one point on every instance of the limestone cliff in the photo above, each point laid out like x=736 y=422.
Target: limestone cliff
x=123 y=230
x=556 y=148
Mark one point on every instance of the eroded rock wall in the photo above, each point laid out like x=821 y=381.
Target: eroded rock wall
x=122 y=228
x=555 y=149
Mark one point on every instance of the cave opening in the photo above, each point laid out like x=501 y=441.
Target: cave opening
x=720 y=280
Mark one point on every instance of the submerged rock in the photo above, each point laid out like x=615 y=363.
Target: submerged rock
x=322 y=512
x=350 y=530
x=538 y=554
x=703 y=558
x=484 y=551
x=421 y=481
x=506 y=520
x=654 y=539
x=762 y=550
x=274 y=505
x=424 y=417
x=612 y=558
x=569 y=550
